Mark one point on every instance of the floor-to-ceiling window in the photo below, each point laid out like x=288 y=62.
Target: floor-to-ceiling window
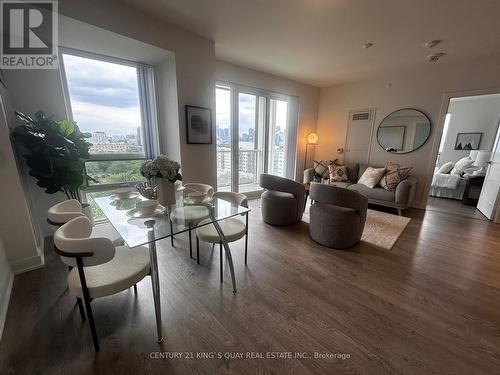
x=256 y=133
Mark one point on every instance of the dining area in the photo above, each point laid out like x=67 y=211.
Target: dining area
x=115 y=254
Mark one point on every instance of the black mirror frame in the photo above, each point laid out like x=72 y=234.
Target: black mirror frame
x=405 y=109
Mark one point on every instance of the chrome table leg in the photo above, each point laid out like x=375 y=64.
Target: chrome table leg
x=155 y=281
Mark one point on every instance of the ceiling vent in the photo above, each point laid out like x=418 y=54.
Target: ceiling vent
x=435 y=57
x=360 y=116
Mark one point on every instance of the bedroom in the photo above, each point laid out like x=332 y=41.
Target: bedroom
x=468 y=144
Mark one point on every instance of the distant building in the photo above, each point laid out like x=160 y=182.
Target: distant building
x=99 y=138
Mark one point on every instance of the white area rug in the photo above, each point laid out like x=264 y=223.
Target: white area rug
x=383 y=229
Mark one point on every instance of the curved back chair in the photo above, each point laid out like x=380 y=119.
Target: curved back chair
x=202 y=188
x=283 y=201
x=65 y=211
x=337 y=217
x=99 y=268
x=235 y=198
x=233 y=228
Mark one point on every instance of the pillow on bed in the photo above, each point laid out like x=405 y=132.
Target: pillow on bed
x=462 y=165
x=446 y=168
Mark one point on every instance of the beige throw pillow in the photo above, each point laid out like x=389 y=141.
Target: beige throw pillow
x=338 y=173
x=371 y=177
x=393 y=175
x=446 y=167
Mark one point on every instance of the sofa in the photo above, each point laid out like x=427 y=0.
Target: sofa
x=400 y=199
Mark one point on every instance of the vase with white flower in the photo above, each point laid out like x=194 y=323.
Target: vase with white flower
x=162 y=172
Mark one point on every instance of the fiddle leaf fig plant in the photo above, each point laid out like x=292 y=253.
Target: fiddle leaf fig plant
x=55 y=152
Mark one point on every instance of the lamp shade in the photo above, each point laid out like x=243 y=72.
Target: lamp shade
x=312 y=138
x=482 y=158
x=473 y=154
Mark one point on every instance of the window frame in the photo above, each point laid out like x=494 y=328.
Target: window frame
x=147 y=107
x=292 y=119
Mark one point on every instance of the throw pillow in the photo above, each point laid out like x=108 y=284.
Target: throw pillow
x=446 y=168
x=371 y=177
x=338 y=173
x=393 y=175
x=352 y=172
x=462 y=165
x=321 y=167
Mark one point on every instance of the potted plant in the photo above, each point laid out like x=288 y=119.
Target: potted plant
x=162 y=172
x=55 y=152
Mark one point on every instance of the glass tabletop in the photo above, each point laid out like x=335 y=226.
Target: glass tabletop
x=136 y=229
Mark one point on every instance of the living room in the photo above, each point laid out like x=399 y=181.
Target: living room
x=295 y=232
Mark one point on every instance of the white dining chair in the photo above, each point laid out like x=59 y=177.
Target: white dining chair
x=233 y=228
x=98 y=268
x=201 y=188
x=64 y=211
x=191 y=216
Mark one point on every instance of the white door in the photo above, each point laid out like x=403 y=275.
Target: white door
x=359 y=135
x=490 y=193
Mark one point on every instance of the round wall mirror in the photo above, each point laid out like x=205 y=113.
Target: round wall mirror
x=404 y=131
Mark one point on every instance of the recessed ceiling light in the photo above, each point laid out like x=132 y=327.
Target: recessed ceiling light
x=435 y=57
x=432 y=43
x=367 y=45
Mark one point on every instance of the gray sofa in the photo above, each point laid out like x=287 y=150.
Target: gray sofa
x=400 y=199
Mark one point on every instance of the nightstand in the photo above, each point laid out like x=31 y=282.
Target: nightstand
x=475 y=182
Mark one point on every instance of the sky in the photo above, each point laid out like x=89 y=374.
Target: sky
x=104 y=96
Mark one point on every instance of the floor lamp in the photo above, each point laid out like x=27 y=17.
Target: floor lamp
x=312 y=139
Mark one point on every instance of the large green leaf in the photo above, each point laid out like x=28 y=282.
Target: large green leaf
x=66 y=127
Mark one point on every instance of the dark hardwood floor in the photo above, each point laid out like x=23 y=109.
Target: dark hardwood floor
x=429 y=306
x=455 y=207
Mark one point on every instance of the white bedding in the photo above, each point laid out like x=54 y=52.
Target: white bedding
x=447 y=181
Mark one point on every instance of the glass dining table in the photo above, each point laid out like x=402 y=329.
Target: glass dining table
x=137 y=230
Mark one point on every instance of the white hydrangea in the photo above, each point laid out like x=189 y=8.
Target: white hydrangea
x=161 y=167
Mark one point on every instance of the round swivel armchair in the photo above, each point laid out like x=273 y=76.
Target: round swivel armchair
x=337 y=217
x=283 y=201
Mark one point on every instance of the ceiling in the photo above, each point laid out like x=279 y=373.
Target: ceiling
x=320 y=41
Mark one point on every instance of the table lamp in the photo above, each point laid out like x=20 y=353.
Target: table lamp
x=482 y=160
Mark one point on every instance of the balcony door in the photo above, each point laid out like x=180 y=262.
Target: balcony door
x=256 y=133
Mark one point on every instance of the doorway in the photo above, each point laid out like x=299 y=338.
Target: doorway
x=256 y=133
x=467 y=170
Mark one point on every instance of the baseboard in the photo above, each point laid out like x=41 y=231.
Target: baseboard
x=27 y=264
x=4 y=301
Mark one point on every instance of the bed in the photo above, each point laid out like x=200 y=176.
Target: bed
x=446 y=185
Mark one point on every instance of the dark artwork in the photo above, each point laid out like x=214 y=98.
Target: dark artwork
x=468 y=141
x=198 y=125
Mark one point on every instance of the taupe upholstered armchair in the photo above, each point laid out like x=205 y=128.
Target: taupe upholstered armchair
x=283 y=201
x=337 y=217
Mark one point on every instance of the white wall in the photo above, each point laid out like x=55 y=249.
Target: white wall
x=419 y=89
x=16 y=231
x=471 y=115
x=308 y=100
x=6 y=279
